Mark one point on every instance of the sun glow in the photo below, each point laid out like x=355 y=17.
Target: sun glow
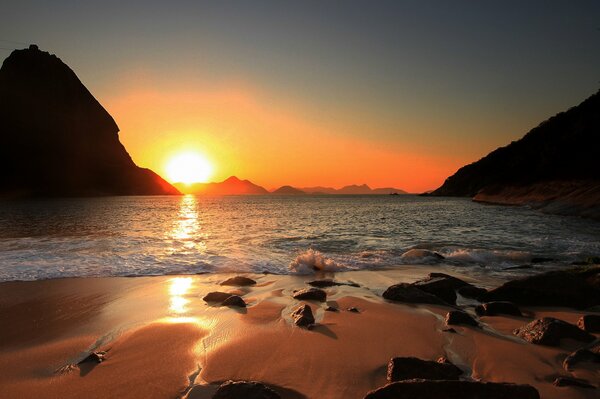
x=189 y=167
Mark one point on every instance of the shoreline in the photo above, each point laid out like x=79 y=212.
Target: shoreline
x=163 y=340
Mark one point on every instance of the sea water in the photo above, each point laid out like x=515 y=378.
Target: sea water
x=136 y=236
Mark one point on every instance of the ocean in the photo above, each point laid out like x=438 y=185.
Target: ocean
x=139 y=236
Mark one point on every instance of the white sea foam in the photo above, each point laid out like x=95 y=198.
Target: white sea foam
x=485 y=256
x=312 y=260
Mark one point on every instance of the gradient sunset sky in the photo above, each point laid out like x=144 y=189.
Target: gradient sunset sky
x=397 y=93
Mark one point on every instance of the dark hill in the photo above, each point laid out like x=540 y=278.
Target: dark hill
x=554 y=166
x=56 y=138
x=287 y=190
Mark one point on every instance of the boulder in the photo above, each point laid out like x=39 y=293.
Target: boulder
x=246 y=390
x=234 y=300
x=497 y=308
x=576 y=288
x=572 y=382
x=417 y=254
x=239 y=281
x=408 y=293
x=216 y=297
x=303 y=316
x=580 y=356
x=456 y=317
x=589 y=323
x=431 y=389
x=442 y=285
x=470 y=291
x=313 y=294
x=549 y=331
x=408 y=368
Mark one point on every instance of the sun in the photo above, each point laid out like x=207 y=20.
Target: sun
x=188 y=167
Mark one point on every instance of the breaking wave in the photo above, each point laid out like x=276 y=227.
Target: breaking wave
x=311 y=261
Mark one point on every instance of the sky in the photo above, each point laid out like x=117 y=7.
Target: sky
x=388 y=93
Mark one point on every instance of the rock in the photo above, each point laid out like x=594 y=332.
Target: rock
x=541 y=259
x=549 y=331
x=331 y=309
x=456 y=317
x=449 y=330
x=497 y=308
x=416 y=253
x=303 y=316
x=314 y=294
x=572 y=382
x=323 y=283
x=441 y=285
x=216 y=297
x=245 y=390
x=580 y=356
x=470 y=291
x=57 y=139
x=408 y=368
x=234 y=300
x=408 y=293
x=589 y=323
x=239 y=281
x=94 y=357
x=353 y=310
x=431 y=389
x=576 y=288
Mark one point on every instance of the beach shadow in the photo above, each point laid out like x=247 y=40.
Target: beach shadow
x=323 y=329
x=86 y=368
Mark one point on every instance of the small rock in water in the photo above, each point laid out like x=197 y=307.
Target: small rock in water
x=580 y=356
x=353 y=310
x=216 y=297
x=323 y=283
x=408 y=368
x=94 y=357
x=303 y=316
x=549 y=331
x=331 y=309
x=589 y=323
x=234 y=300
x=239 y=281
x=497 y=308
x=314 y=294
x=572 y=382
x=245 y=390
x=456 y=317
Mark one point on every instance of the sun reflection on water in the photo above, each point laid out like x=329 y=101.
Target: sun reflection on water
x=187 y=228
x=178 y=288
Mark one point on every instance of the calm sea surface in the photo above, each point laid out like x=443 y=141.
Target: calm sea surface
x=123 y=236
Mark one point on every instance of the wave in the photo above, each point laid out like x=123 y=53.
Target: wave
x=311 y=261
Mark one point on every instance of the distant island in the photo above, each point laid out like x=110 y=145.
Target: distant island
x=235 y=186
x=553 y=168
x=57 y=140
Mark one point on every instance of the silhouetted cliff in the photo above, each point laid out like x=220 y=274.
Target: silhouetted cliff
x=57 y=140
x=554 y=166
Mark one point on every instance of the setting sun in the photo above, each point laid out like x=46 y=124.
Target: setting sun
x=189 y=168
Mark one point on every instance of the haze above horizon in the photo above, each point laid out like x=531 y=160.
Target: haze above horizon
x=392 y=94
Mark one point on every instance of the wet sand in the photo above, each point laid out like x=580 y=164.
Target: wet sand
x=163 y=341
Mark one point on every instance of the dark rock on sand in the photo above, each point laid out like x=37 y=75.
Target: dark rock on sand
x=234 y=300
x=239 y=281
x=572 y=382
x=408 y=368
x=216 y=297
x=576 y=288
x=314 y=294
x=441 y=285
x=580 y=356
x=428 y=389
x=589 y=323
x=541 y=259
x=549 y=331
x=353 y=310
x=331 y=309
x=408 y=293
x=303 y=316
x=246 y=390
x=470 y=291
x=94 y=357
x=457 y=317
x=497 y=308
x=329 y=283
x=449 y=330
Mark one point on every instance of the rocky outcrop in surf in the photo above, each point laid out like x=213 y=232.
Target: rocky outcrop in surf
x=57 y=140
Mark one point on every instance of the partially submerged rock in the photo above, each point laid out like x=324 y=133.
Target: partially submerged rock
x=303 y=316
x=353 y=309
x=234 y=300
x=408 y=368
x=331 y=309
x=442 y=285
x=430 y=389
x=457 y=317
x=239 y=281
x=94 y=357
x=216 y=297
x=246 y=390
x=589 y=323
x=417 y=253
x=497 y=308
x=576 y=288
x=408 y=293
x=314 y=294
x=572 y=382
x=580 y=356
x=549 y=331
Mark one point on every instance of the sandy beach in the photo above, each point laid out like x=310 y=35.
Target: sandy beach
x=162 y=340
